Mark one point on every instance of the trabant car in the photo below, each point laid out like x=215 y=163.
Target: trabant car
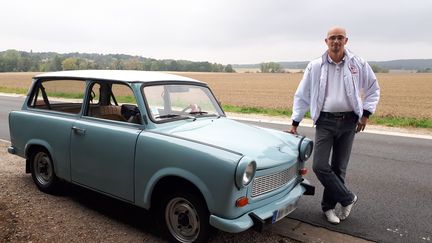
x=161 y=142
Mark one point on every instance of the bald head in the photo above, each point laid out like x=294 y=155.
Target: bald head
x=336 y=41
x=335 y=31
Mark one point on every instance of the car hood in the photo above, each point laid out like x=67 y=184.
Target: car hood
x=266 y=146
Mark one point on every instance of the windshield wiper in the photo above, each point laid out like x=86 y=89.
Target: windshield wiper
x=174 y=115
x=198 y=112
x=205 y=114
x=167 y=116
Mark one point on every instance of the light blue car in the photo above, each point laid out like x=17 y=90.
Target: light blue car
x=161 y=142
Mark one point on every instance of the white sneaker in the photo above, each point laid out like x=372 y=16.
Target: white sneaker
x=331 y=216
x=345 y=211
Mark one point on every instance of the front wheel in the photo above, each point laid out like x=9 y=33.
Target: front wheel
x=42 y=170
x=185 y=217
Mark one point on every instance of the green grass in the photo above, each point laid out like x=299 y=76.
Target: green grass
x=257 y=110
x=402 y=122
x=385 y=121
x=65 y=95
x=126 y=99
x=13 y=90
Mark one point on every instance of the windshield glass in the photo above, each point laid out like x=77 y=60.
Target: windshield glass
x=180 y=101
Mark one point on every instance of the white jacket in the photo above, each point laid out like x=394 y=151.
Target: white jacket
x=357 y=75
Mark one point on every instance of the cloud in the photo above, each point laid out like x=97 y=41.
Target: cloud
x=221 y=31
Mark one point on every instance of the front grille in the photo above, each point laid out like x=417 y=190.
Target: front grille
x=271 y=182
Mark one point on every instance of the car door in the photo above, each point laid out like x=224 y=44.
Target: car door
x=49 y=118
x=103 y=146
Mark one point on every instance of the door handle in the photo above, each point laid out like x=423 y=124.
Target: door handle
x=79 y=130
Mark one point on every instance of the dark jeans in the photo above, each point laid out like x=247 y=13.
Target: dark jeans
x=336 y=135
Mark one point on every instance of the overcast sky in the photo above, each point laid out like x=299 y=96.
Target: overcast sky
x=222 y=31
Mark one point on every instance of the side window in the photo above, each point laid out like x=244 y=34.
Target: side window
x=113 y=101
x=58 y=95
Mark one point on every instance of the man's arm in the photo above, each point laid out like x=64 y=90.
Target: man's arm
x=302 y=98
x=372 y=94
x=294 y=126
x=362 y=123
x=371 y=90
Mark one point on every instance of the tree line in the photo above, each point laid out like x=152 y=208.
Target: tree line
x=271 y=67
x=21 y=61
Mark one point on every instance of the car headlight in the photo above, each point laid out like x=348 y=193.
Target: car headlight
x=305 y=148
x=245 y=172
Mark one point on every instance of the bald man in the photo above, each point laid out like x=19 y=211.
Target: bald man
x=331 y=89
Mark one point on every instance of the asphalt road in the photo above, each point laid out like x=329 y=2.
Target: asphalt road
x=391 y=175
x=7 y=104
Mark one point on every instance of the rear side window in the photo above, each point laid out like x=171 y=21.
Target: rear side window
x=58 y=95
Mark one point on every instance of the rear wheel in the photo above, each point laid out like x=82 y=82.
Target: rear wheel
x=185 y=217
x=42 y=170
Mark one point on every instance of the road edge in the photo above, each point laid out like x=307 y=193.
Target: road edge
x=372 y=129
x=305 y=232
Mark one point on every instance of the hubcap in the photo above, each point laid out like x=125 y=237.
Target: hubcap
x=43 y=168
x=182 y=220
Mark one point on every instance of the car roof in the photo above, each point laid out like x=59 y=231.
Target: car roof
x=117 y=75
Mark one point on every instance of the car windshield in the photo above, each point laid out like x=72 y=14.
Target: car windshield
x=180 y=101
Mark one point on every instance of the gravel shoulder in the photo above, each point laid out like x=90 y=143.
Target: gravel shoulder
x=79 y=215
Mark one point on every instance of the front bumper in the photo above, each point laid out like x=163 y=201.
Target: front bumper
x=259 y=216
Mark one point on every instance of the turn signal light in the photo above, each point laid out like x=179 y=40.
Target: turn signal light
x=241 y=202
x=303 y=171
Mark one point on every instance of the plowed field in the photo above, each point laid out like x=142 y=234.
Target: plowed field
x=402 y=94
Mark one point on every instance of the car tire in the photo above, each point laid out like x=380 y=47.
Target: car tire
x=42 y=171
x=185 y=217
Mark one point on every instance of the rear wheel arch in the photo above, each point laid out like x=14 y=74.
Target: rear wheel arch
x=34 y=148
x=30 y=150
x=36 y=145
x=41 y=165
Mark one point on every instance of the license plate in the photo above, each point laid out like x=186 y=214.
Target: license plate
x=282 y=212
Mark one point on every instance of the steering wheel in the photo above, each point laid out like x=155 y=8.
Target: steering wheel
x=192 y=108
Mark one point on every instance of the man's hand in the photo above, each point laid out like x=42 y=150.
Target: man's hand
x=293 y=130
x=362 y=124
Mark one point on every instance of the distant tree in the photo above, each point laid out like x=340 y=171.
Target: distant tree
x=229 y=69
x=425 y=70
x=215 y=67
x=24 y=64
x=172 y=66
x=378 y=69
x=271 y=67
x=133 y=64
x=70 y=63
x=154 y=66
x=204 y=67
x=10 y=60
x=116 y=64
x=56 y=63
x=17 y=61
x=375 y=68
x=83 y=64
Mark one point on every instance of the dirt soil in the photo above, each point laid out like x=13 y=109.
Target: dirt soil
x=402 y=94
x=79 y=215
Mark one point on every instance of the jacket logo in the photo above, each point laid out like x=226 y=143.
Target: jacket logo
x=353 y=69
